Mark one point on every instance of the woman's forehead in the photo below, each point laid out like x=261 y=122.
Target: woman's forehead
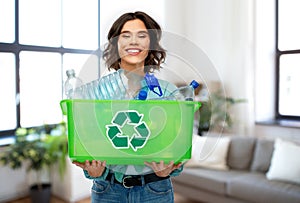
x=135 y=25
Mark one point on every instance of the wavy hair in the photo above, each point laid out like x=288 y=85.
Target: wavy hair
x=156 y=54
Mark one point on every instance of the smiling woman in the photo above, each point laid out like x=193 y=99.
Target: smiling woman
x=134 y=47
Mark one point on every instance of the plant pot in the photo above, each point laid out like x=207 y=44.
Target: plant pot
x=40 y=194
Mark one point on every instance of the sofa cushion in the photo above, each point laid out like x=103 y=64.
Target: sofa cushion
x=262 y=155
x=255 y=187
x=207 y=179
x=209 y=152
x=240 y=152
x=285 y=163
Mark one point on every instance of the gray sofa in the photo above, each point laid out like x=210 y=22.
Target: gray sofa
x=248 y=159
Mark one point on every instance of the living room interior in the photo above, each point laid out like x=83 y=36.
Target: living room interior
x=237 y=39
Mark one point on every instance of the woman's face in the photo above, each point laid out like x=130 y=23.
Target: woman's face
x=133 y=45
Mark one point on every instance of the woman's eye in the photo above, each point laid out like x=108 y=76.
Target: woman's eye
x=125 y=36
x=142 y=35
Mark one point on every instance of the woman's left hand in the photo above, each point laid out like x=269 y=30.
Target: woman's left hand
x=163 y=170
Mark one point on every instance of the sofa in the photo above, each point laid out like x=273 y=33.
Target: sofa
x=241 y=169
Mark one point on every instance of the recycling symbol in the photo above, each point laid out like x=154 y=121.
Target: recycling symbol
x=128 y=130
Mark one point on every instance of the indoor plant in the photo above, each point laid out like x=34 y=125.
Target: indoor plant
x=38 y=148
x=215 y=112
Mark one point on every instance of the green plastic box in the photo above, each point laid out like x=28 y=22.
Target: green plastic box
x=129 y=131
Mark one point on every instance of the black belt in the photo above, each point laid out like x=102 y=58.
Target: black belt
x=136 y=180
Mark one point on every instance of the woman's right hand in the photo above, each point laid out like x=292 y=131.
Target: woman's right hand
x=94 y=168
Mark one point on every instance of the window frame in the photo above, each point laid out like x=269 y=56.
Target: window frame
x=15 y=48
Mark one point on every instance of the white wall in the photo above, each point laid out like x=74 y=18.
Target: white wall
x=265 y=63
x=224 y=31
x=13 y=183
x=238 y=37
x=73 y=186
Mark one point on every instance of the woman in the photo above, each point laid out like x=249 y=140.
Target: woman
x=134 y=47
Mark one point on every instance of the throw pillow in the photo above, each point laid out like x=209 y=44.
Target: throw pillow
x=285 y=162
x=240 y=152
x=262 y=155
x=209 y=152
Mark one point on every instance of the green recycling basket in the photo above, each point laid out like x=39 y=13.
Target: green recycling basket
x=129 y=131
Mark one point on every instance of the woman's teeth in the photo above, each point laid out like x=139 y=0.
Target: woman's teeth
x=133 y=51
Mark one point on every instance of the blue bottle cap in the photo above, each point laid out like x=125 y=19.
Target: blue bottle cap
x=194 y=84
x=142 y=95
x=153 y=84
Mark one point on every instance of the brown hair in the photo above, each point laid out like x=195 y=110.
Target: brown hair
x=156 y=54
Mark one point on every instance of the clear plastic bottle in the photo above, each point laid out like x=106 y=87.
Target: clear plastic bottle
x=185 y=93
x=112 y=86
x=73 y=86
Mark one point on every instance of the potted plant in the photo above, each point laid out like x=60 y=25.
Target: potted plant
x=215 y=112
x=38 y=148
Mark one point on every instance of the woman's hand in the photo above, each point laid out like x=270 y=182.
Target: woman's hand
x=94 y=168
x=163 y=170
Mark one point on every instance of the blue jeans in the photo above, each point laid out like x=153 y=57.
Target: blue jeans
x=107 y=191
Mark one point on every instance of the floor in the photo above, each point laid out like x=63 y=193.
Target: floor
x=178 y=199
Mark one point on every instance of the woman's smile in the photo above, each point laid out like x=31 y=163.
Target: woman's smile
x=133 y=51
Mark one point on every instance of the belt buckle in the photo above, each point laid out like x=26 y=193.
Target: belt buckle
x=124 y=182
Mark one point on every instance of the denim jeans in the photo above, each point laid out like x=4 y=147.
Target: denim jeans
x=108 y=191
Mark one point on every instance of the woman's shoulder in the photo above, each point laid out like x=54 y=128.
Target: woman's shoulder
x=107 y=72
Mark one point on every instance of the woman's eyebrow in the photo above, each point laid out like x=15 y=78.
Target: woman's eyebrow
x=125 y=31
x=143 y=32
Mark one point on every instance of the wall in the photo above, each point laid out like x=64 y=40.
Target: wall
x=264 y=63
x=238 y=38
x=73 y=186
x=13 y=183
x=224 y=31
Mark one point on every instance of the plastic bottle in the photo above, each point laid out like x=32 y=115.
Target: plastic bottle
x=73 y=86
x=185 y=93
x=112 y=86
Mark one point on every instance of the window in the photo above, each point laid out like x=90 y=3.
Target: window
x=37 y=46
x=288 y=59
x=8 y=90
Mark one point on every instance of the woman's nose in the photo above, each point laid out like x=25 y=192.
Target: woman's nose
x=134 y=40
